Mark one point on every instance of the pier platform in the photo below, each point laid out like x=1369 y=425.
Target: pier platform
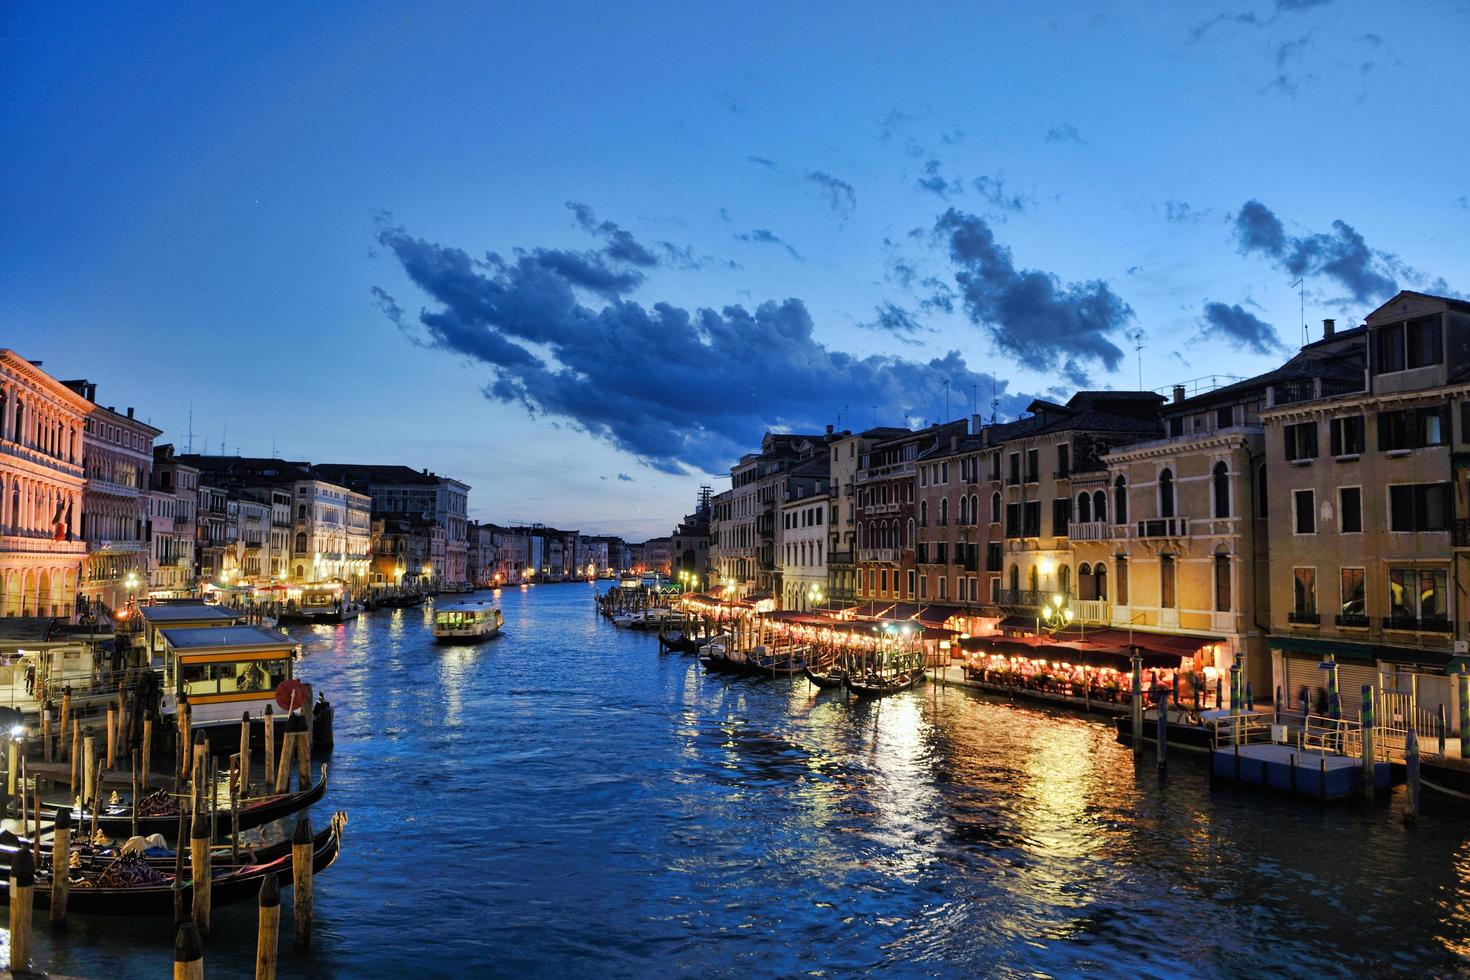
x=1288 y=769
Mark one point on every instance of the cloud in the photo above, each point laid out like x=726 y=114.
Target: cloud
x=993 y=189
x=764 y=236
x=1064 y=133
x=621 y=246
x=1179 y=212
x=935 y=183
x=896 y=320
x=1286 y=53
x=891 y=123
x=1341 y=255
x=722 y=378
x=1463 y=201
x=841 y=198
x=952 y=137
x=766 y=162
x=1030 y=314
x=1240 y=326
x=625 y=478
x=1300 y=4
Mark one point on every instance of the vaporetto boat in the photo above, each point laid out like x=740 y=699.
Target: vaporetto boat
x=467 y=621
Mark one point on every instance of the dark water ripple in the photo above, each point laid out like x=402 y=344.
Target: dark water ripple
x=564 y=801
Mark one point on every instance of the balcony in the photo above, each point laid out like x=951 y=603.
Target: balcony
x=1092 y=610
x=1090 y=531
x=1410 y=624
x=878 y=554
x=884 y=472
x=1303 y=618
x=1164 y=527
x=839 y=558
x=1461 y=531
x=1350 y=621
x=1022 y=597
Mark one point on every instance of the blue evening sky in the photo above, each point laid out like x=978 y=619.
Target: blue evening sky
x=229 y=206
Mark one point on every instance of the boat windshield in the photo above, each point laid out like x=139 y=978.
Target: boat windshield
x=233 y=678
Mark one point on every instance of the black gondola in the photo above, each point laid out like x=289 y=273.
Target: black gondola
x=117 y=821
x=872 y=686
x=228 y=884
x=827 y=679
x=678 y=643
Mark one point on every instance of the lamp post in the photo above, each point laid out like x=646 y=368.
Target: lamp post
x=1055 y=612
x=814 y=596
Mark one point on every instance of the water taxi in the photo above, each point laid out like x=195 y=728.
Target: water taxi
x=473 y=619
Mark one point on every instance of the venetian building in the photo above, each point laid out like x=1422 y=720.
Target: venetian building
x=42 y=424
x=119 y=464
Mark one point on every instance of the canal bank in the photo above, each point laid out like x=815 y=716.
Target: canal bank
x=564 y=799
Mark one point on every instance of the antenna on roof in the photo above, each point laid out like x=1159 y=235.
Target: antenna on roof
x=224 y=428
x=974 y=399
x=1136 y=335
x=946 y=399
x=190 y=450
x=1301 y=288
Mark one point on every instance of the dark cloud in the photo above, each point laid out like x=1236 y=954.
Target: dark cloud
x=1030 y=314
x=1374 y=39
x=1463 y=201
x=1240 y=326
x=891 y=123
x=764 y=236
x=841 y=198
x=1341 y=255
x=766 y=162
x=588 y=270
x=642 y=377
x=1200 y=30
x=935 y=183
x=1179 y=212
x=621 y=245
x=625 y=478
x=952 y=137
x=894 y=319
x=1064 y=133
x=1287 y=52
x=1300 y=4
x=993 y=189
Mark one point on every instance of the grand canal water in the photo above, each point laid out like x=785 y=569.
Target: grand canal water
x=566 y=801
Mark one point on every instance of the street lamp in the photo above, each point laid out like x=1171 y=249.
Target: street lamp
x=1055 y=612
x=814 y=596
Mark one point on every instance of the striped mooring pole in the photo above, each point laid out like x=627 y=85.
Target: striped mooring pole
x=1369 y=721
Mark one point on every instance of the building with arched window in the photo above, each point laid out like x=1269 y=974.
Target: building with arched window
x=42 y=483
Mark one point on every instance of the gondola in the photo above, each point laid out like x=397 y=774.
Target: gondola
x=228 y=884
x=117 y=821
x=678 y=643
x=829 y=678
x=221 y=854
x=871 y=686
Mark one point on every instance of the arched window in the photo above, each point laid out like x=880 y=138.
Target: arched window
x=910 y=542
x=1099 y=506
x=1084 y=508
x=1064 y=579
x=943 y=511
x=1222 y=582
x=1100 y=580
x=995 y=508
x=1120 y=500
x=301 y=543
x=300 y=571
x=19 y=433
x=1033 y=579
x=974 y=508
x=1222 y=490
x=3 y=399
x=1085 y=587
x=1015 y=578
x=964 y=510
x=923 y=513
x=1166 y=493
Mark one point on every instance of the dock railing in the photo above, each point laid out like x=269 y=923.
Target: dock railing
x=1246 y=728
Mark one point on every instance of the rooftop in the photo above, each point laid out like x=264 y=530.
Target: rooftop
x=207 y=638
x=179 y=612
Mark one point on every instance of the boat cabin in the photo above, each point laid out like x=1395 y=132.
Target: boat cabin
x=224 y=670
x=182 y=615
x=317 y=598
x=467 y=619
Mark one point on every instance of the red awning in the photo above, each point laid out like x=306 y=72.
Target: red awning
x=938 y=615
x=902 y=610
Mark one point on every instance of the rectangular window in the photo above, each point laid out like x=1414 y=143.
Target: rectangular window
x=992 y=557
x=995 y=466
x=1166 y=582
x=1422 y=338
x=1223 y=419
x=1176 y=426
x=883 y=579
x=1013 y=520
x=1064 y=460
x=1412 y=428
x=1304 y=591
x=1061 y=515
x=1418 y=598
x=1033 y=465
x=1304 y=507
x=1353 y=610
x=1347 y=435
x=1015 y=468
x=995 y=590
x=1419 y=507
x=943 y=472
x=1301 y=440
x=923 y=587
x=1222 y=583
x=1120 y=566
x=911 y=577
x=943 y=587
x=1389 y=348
x=1032 y=515
x=1350 y=510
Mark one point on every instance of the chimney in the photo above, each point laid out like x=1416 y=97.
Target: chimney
x=130 y=411
x=1329 y=327
x=974 y=425
x=1178 y=393
x=954 y=443
x=829 y=430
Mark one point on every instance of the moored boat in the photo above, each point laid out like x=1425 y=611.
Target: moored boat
x=877 y=686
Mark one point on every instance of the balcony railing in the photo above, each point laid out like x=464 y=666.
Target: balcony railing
x=1092 y=610
x=839 y=557
x=883 y=472
x=1022 y=597
x=1090 y=531
x=1303 y=618
x=1461 y=529
x=1164 y=527
x=878 y=554
x=1350 y=621
x=1432 y=625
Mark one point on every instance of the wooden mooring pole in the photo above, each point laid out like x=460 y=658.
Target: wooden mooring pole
x=22 y=887
x=188 y=954
x=1163 y=709
x=199 y=868
x=301 y=873
x=60 y=864
x=1137 y=702
x=268 y=938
